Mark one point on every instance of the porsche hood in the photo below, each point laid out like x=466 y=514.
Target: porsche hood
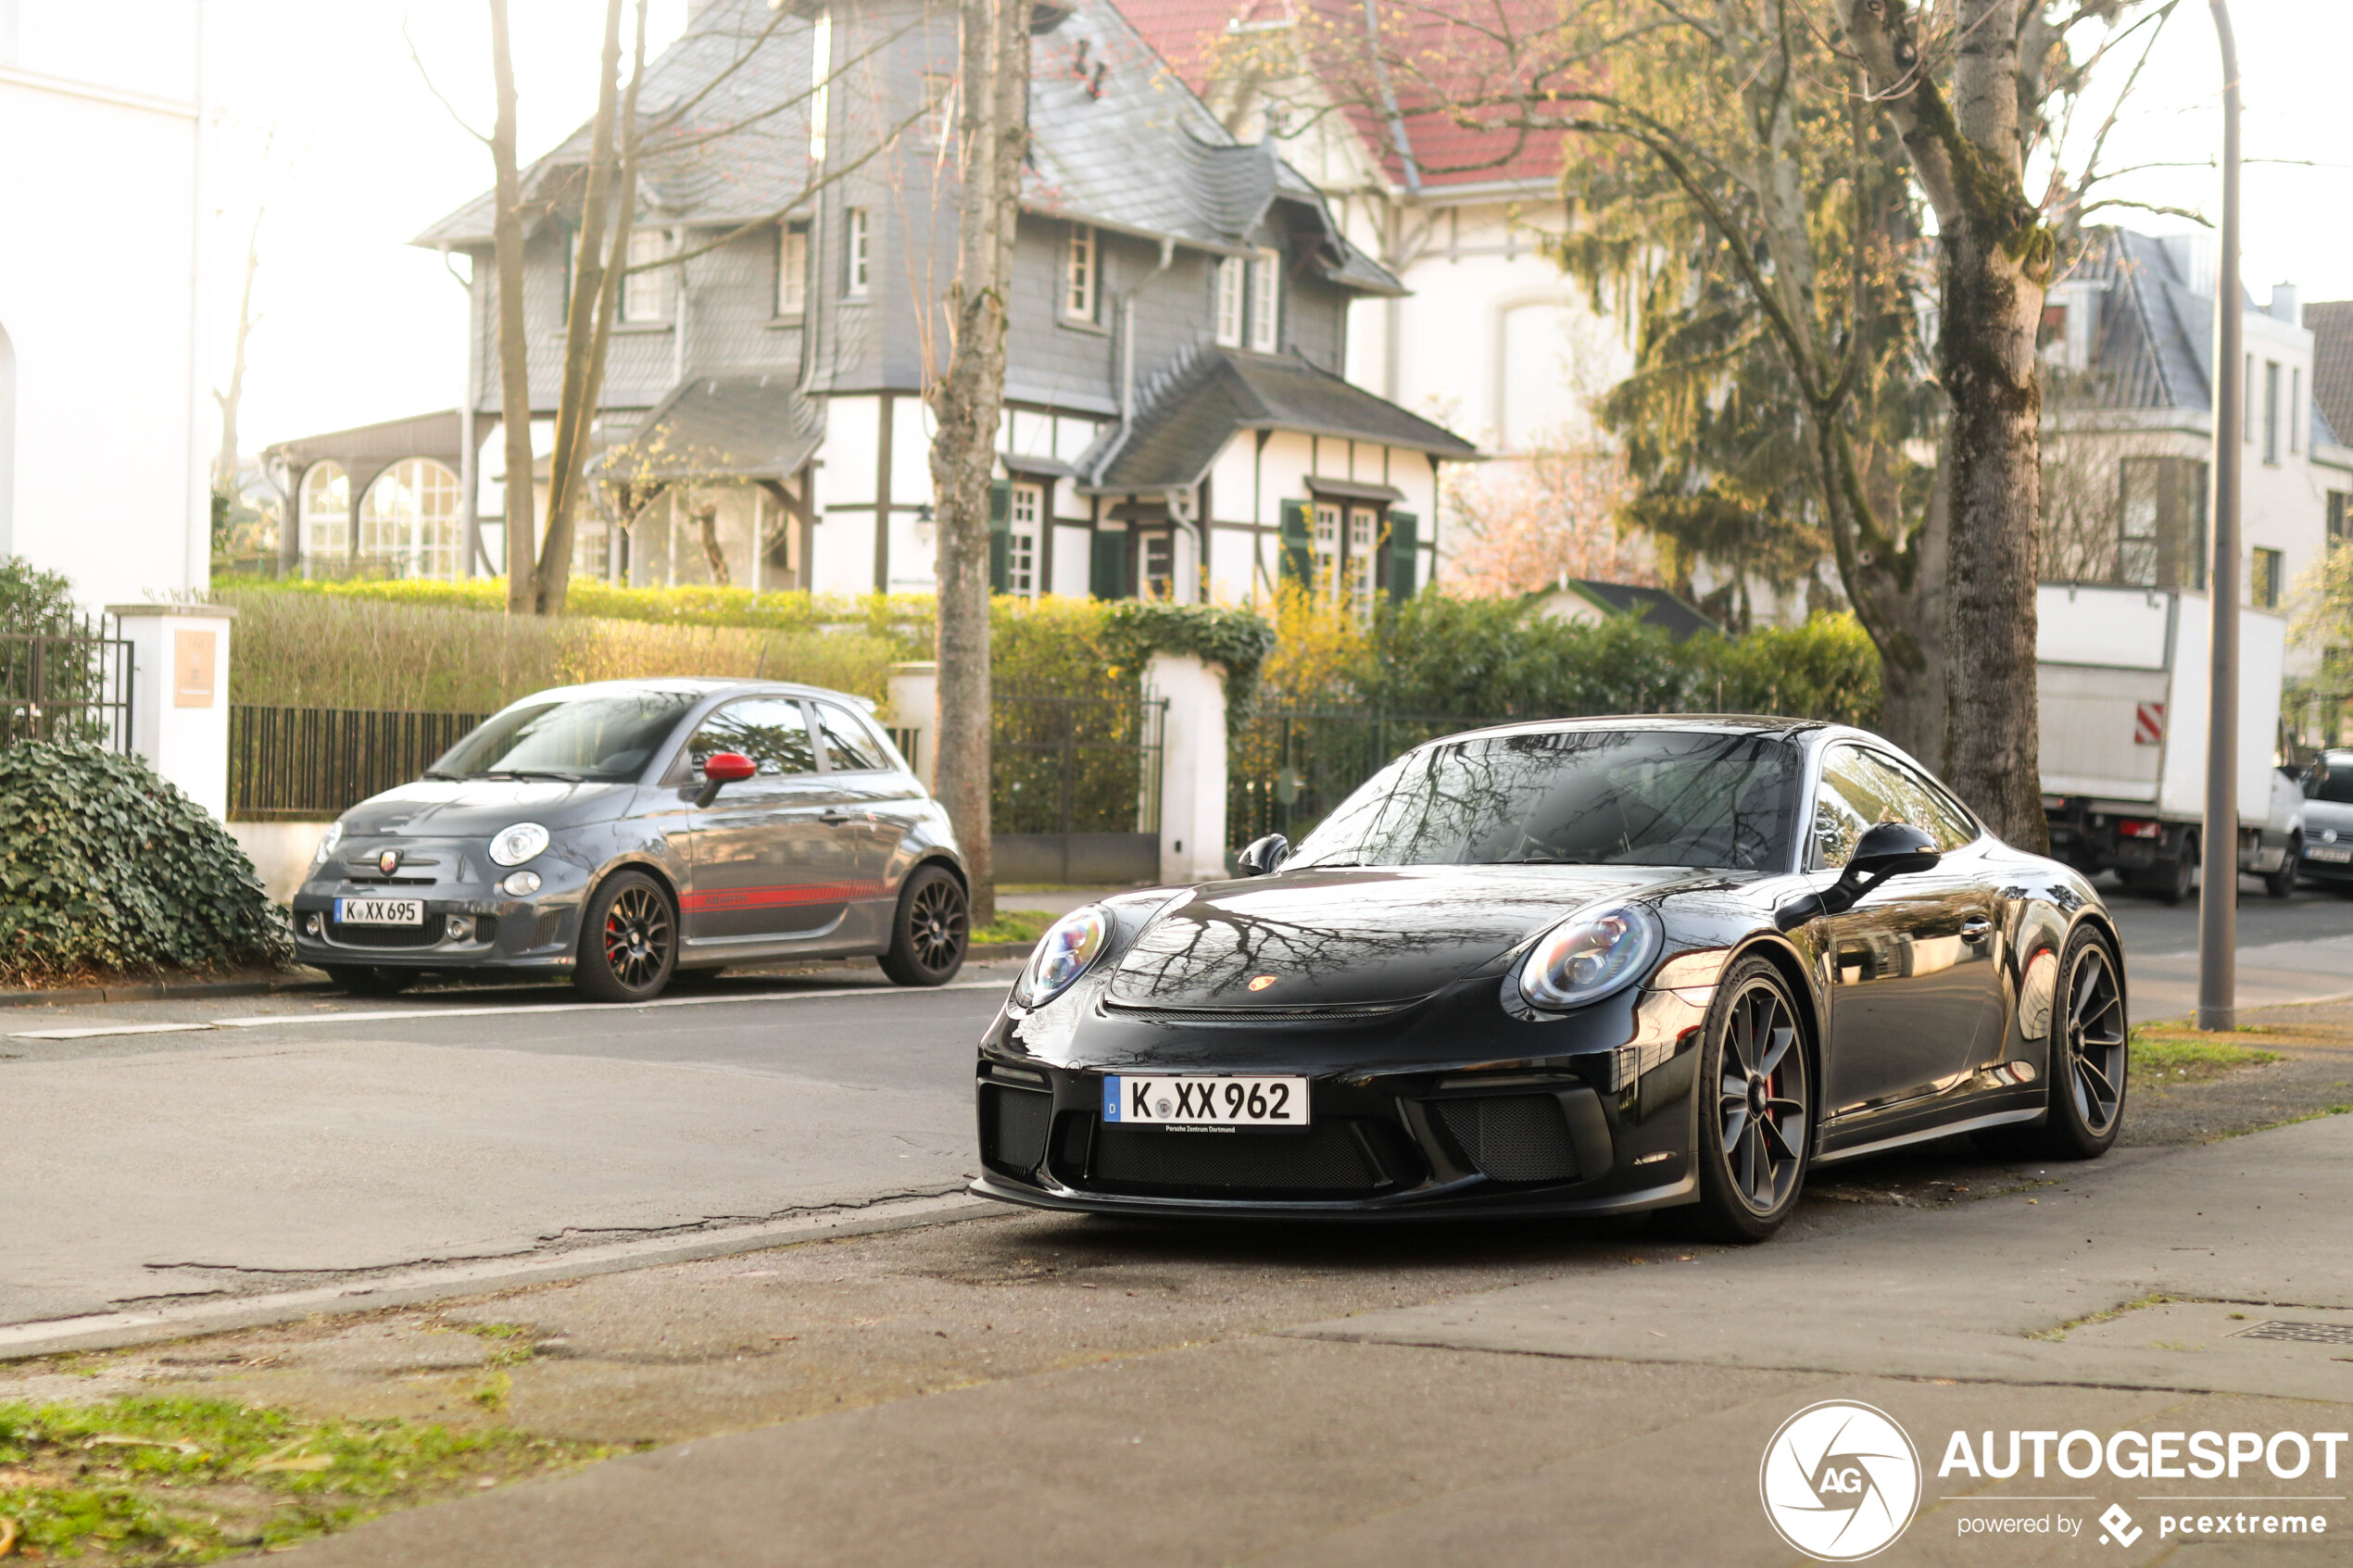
x=1343 y=937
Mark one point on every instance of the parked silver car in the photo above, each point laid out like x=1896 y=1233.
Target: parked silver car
x=624 y=831
x=2328 y=820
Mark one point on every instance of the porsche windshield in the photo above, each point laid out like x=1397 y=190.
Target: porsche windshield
x=610 y=736
x=1580 y=797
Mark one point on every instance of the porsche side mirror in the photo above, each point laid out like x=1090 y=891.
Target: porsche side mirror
x=1888 y=850
x=723 y=768
x=1265 y=856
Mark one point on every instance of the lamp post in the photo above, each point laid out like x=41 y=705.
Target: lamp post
x=2218 y=906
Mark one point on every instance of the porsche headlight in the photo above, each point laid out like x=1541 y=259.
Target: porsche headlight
x=1070 y=945
x=1590 y=955
x=327 y=842
x=513 y=845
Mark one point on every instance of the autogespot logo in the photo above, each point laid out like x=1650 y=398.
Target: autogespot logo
x=1840 y=1481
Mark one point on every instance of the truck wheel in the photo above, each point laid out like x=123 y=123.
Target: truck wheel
x=2170 y=882
x=2282 y=883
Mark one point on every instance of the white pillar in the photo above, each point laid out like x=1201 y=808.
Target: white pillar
x=180 y=695
x=914 y=704
x=1192 y=767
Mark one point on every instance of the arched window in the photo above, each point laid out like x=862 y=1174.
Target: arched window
x=326 y=512
x=408 y=520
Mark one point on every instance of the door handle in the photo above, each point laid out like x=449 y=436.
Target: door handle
x=1977 y=928
x=834 y=816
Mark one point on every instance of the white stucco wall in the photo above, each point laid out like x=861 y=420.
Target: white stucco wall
x=101 y=474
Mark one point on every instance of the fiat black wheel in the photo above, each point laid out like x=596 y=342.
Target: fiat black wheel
x=931 y=929
x=628 y=940
x=1757 y=1107
x=2089 y=1052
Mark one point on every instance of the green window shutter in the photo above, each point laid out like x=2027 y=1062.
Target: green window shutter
x=1405 y=552
x=1000 y=536
x=1299 y=544
x=1107 y=576
x=1000 y=505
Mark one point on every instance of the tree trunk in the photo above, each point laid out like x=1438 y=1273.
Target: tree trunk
x=224 y=463
x=967 y=402
x=1914 y=700
x=514 y=347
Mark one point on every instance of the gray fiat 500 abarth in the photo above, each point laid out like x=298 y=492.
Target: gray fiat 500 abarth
x=623 y=832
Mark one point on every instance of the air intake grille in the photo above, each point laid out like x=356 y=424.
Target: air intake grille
x=1512 y=1137
x=423 y=935
x=1327 y=1161
x=1012 y=1127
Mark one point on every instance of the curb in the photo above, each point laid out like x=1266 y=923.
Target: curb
x=107 y=1331
x=164 y=990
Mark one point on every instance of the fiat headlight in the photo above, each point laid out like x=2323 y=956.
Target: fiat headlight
x=327 y=842
x=513 y=845
x=1070 y=945
x=1590 y=955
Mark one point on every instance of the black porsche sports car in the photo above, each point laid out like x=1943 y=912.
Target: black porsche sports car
x=1578 y=967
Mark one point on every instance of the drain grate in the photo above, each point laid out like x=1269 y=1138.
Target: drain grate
x=2303 y=1333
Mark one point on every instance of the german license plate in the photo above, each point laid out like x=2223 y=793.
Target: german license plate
x=380 y=912
x=1191 y=1102
x=2335 y=853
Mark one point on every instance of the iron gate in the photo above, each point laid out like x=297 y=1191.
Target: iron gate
x=69 y=683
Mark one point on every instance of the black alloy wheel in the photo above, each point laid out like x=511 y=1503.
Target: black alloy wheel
x=1756 y=1110
x=628 y=941
x=2281 y=883
x=931 y=930
x=2089 y=1053
x=370 y=980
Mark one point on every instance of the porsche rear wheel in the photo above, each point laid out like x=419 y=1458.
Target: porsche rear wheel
x=1756 y=1107
x=2088 y=1053
x=628 y=940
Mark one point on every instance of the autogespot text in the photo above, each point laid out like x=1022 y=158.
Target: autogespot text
x=2154 y=1456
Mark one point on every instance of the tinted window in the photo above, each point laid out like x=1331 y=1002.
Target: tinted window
x=2330 y=779
x=608 y=737
x=771 y=730
x=1861 y=789
x=849 y=747
x=1586 y=797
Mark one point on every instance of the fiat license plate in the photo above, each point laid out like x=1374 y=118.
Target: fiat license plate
x=380 y=912
x=1192 y=1103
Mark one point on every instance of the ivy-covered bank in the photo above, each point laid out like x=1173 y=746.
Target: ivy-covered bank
x=106 y=868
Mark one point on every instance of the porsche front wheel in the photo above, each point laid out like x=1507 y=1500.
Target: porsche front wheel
x=1756 y=1107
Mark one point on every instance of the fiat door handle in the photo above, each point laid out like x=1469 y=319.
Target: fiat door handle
x=1977 y=928
x=834 y=816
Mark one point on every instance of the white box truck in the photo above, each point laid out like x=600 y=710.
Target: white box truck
x=2122 y=677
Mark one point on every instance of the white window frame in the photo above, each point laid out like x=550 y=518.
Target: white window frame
x=645 y=297
x=1230 y=274
x=1364 y=541
x=2294 y=403
x=821 y=63
x=1081 y=264
x=1326 y=548
x=856 y=254
x=1265 y=301
x=1156 y=566
x=792 y=266
x=1026 y=524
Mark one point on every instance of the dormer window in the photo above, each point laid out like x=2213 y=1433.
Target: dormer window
x=643 y=297
x=1265 y=300
x=1229 y=301
x=792 y=268
x=856 y=255
x=1079 y=271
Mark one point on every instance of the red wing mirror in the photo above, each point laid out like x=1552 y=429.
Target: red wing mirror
x=729 y=766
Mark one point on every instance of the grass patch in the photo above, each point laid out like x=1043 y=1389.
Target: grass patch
x=2176 y=1054
x=2060 y=1331
x=143 y=1480
x=1014 y=925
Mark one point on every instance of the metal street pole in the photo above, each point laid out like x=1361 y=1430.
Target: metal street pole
x=2218 y=915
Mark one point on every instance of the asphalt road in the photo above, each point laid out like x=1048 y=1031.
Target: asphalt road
x=180 y=1151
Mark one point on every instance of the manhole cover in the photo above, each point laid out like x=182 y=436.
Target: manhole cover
x=2304 y=1333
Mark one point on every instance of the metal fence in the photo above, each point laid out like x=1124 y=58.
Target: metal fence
x=1288 y=768
x=69 y=682
x=308 y=764
x=1075 y=764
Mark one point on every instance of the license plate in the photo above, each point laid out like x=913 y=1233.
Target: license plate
x=1204 y=1102
x=380 y=912
x=2330 y=852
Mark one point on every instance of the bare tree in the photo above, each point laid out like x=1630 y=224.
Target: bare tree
x=968 y=400
x=514 y=347
x=225 y=461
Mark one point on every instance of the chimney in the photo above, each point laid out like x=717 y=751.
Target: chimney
x=2283 y=304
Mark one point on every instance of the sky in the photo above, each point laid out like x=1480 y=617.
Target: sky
x=329 y=129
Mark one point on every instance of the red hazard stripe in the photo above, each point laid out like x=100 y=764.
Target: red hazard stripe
x=781 y=898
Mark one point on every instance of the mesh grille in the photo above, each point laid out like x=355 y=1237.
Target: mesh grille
x=423 y=935
x=1327 y=1161
x=1013 y=1126
x=1512 y=1137
x=1361 y=1014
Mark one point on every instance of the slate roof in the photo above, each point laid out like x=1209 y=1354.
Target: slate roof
x=1183 y=425
x=1657 y=607
x=2332 y=324
x=720 y=427
x=1116 y=140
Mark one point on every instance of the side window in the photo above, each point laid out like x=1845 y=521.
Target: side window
x=771 y=730
x=849 y=749
x=1861 y=790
